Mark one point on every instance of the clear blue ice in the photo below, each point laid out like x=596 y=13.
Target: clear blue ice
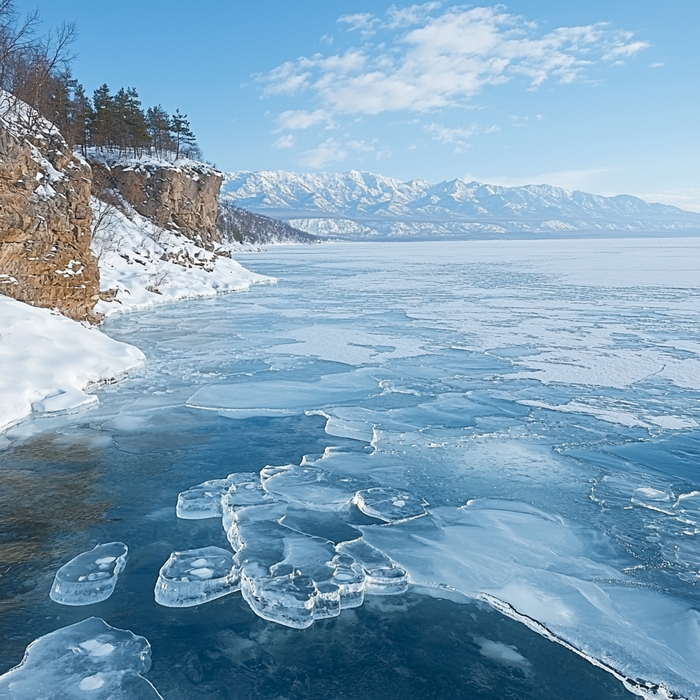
x=496 y=438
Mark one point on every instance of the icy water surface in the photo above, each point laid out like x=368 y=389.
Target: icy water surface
x=483 y=447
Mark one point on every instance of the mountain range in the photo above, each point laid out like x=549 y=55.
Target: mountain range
x=361 y=204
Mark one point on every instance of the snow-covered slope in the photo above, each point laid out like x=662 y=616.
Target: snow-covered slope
x=360 y=204
x=47 y=360
x=142 y=264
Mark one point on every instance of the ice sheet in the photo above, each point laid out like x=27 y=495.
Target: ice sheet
x=551 y=385
x=283 y=397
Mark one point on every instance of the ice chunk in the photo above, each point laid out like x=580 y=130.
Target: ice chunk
x=287 y=576
x=287 y=600
x=91 y=576
x=382 y=575
x=196 y=576
x=64 y=401
x=350 y=579
x=310 y=486
x=389 y=504
x=245 y=516
x=280 y=398
x=87 y=659
x=245 y=490
x=202 y=501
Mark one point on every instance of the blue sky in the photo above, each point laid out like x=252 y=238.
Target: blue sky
x=600 y=96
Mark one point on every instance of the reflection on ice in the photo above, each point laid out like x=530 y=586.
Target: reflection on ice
x=91 y=577
x=87 y=659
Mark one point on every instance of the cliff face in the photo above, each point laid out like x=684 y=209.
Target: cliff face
x=181 y=196
x=45 y=217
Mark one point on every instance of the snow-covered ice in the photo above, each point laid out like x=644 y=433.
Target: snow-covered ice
x=195 y=577
x=91 y=576
x=87 y=659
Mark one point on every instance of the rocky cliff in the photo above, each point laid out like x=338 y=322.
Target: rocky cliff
x=45 y=217
x=179 y=195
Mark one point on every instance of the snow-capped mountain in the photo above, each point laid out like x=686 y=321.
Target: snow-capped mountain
x=361 y=204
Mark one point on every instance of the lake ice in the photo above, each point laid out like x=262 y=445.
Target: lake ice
x=508 y=425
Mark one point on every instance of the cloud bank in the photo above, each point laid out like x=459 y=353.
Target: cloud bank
x=422 y=58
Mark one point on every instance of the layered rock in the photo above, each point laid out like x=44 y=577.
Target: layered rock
x=179 y=195
x=45 y=216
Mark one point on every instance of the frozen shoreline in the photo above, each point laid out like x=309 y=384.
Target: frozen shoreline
x=49 y=363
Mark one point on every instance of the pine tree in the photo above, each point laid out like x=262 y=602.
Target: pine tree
x=82 y=115
x=158 y=124
x=102 y=122
x=182 y=134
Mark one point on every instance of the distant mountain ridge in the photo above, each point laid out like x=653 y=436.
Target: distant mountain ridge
x=362 y=204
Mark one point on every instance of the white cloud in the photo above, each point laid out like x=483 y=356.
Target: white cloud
x=301 y=119
x=441 y=60
x=407 y=16
x=363 y=22
x=284 y=141
x=330 y=151
x=460 y=137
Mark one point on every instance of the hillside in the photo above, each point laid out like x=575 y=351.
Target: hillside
x=236 y=225
x=361 y=204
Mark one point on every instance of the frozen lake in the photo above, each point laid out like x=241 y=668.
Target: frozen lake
x=498 y=439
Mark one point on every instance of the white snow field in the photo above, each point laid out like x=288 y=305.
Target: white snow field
x=47 y=362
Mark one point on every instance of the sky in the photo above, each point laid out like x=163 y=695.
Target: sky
x=602 y=96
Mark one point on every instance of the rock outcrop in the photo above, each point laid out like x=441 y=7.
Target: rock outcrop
x=45 y=216
x=179 y=195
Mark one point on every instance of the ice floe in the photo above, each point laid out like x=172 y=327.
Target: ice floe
x=202 y=501
x=196 y=576
x=91 y=576
x=89 y=659
x=310 y=486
